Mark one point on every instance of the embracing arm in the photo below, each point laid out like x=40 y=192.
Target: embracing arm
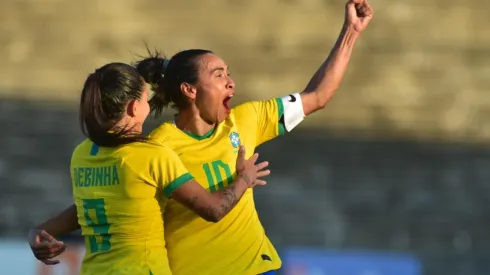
x=328 y=78
x=214 y=206
x=43 y=245
x=210 y=206
x=62 y=224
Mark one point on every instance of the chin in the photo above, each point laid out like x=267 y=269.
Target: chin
x=223 y=116
x=216 y=119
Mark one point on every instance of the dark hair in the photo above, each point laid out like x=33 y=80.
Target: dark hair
x=166 y=76
x=105 y=95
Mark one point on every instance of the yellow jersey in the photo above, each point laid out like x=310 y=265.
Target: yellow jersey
x=120 y=194
x=237 y=245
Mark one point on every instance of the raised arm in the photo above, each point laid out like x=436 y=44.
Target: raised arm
x=327 y=79
x=214 y=206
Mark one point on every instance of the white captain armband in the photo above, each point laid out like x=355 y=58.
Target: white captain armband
x=293 y=111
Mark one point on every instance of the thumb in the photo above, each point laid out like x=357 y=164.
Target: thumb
x=241 y=157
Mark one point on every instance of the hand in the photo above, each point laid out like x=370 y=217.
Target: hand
x=358 y=14
x=44 y=246
x=249 y=171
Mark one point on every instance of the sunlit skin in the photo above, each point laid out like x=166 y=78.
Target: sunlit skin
x=209 y=98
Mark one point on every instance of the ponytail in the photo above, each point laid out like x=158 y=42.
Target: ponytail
x=166 y=76
x=153 y=69
x=97 y=121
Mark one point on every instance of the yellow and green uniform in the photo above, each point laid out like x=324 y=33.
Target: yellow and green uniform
x=237 y=244
x=120 y=194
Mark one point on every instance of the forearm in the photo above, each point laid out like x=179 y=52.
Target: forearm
x=63 y=223
x=328 y=77
x=215 y=206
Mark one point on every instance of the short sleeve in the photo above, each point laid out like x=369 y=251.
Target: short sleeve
x=170 y=172
x=272 y=117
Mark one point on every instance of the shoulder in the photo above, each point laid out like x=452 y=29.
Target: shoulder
x=82 y=148
x=256 y=106
x=254 y=109
x=163 y=132
x=245 y=108
x=148 y=149
x=245 y=112
x=146 y=156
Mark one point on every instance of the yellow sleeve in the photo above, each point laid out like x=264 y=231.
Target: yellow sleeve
x=170 y=172
x=266 y=116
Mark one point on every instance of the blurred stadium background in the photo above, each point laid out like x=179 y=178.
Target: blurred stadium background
x=391 y=179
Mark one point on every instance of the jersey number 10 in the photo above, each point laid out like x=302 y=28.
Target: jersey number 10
x=217 y=167
x=100 y=226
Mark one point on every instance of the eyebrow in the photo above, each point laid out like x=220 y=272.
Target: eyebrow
x=219 y=69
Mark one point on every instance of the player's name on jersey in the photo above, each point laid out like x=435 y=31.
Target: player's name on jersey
x=96 y=176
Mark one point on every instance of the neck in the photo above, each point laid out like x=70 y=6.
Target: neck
x=192 y=122
x=129 y=126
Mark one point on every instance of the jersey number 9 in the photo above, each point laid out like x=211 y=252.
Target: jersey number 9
x=101 y=240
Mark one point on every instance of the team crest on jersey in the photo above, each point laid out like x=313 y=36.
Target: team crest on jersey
x=235 y=139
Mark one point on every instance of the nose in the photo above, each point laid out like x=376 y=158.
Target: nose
x=230 y=84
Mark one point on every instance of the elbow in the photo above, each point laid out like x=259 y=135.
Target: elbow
x=321 y=104
x=211 y=214
x=212 y=218
x=324 y=97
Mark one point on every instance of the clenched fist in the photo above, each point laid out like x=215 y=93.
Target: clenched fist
x=358 y=13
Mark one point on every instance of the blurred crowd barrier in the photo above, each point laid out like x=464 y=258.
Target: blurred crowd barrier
x=419 y=71
x=391 y=179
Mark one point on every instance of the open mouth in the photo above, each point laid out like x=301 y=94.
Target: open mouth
x=225 y=102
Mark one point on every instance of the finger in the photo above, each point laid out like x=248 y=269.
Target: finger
x=262 y=165
x=50 y=262
x=55 y=251
x=48 y=254
x=254 y=158
x=369 y=10
x=48 y=245
x=241 y=156
x=361 y=12
x=264 y=173
x=355 y=4
x=48 y=251
x=43 y=257
x=45 y=252
x=366 y=17
x=51 y=243
x=260 y=182
x=40 y=246
x=365 y=6
x=45 y=236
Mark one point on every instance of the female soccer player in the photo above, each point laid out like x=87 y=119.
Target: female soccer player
x=198 y=85
x=122 y=180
